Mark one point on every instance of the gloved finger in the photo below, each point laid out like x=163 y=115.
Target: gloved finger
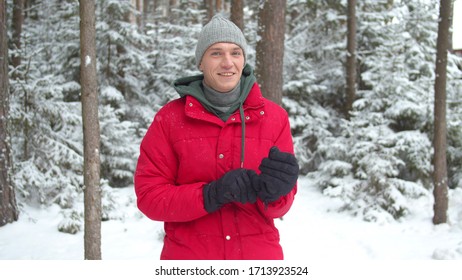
x=265 y=197
x=269 y=191
x=238 y=187
x=276 y=154
x=255 y=181
x=278 y=177
x=252 y=186
x=268 y=165
x=274 y=185
x=251 y=195
x=270 y=184
x=251 y=173
x=243 y=190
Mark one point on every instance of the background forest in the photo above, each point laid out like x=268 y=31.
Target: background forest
x=376 y=160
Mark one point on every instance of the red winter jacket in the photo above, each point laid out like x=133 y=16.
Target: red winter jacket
x=186 y=147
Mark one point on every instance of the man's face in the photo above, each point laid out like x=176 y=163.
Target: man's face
x=222 y=66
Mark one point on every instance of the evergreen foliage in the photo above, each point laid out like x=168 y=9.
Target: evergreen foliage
x=374 y=163
x=381 y=158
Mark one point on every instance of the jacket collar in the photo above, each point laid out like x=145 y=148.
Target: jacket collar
x=197 y=106
x=195 y=109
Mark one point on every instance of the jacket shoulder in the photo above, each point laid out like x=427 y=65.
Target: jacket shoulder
x=256 y=97
x=275 y=106
x=275 y=110
x=172 y=106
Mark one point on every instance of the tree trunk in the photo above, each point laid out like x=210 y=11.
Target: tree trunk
x=91 y=133
x=8 y=209
x=237 y=13
x=154 y=7
x=218 y=6
x=18 y=19
x=351 y=58
x=210 y=10
x=139 y=15
x=270 y=48
x=166 y=9
x=145 y=12
x=440 y=180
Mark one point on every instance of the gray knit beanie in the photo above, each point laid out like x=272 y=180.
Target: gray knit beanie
x=219 y=29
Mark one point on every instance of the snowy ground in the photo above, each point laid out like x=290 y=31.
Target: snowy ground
x=310 y=231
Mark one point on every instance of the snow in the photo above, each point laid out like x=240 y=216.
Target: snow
x=87 y=60
x=313 y=230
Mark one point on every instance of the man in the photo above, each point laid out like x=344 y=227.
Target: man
x=217 y=164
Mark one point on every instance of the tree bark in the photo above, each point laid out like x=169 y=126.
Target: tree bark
x=218 y=6
x=18 y=19
x=209 y=5
x=166 y=9
x=91 y=132
x=8 y=209
x=145 y=12
x=237 y=13
x=351 y=58
x=440 y=177
x=270 y=48
x=139 y=16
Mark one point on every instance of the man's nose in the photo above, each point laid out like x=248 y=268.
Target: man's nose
x=227 y=60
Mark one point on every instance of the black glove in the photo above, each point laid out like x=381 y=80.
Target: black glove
x=235 y=185
x=279 y=174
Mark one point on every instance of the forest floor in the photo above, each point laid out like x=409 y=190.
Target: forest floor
x=312 y=230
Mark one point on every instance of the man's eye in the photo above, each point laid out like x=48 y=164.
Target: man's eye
x=215 y=53
x=237 y=53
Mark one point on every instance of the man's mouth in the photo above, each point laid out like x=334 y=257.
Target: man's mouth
x=227 y=74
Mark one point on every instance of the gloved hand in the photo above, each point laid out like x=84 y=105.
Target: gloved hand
x=235 y=185
x=279 y=174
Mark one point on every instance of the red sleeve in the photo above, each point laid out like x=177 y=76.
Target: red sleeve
x=281 y=206
x=158 y=196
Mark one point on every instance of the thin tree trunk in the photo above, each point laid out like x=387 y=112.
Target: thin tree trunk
x=91 y=133
x=18 y=19
x=139 y=15
x=166 y=9
x=237 y=13
x=121 y=51
x=351 y=58
x=218 y=6
x=8 y=209
x=154 y=7
x=270 y=48
x=145 y=12
x=440 y=180
x=210 y=10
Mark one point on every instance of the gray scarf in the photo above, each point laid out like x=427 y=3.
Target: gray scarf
x=222 y=101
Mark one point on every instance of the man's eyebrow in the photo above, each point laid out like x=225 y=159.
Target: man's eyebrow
x=219 y=48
